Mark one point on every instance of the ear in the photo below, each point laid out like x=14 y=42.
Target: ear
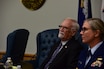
x=97 y=33
x=73 y=32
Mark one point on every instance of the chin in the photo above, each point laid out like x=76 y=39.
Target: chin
x=84 y=41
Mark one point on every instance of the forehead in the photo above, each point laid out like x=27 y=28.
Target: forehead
x=67 y=22
x=86 y=24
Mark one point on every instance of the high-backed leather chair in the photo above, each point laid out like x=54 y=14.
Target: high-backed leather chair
x=45 y=41
x=16 y=45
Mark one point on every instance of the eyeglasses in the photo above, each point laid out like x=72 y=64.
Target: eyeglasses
x=85 y=29
x=60 y=26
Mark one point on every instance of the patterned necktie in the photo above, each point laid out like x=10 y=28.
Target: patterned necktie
x=53 y=56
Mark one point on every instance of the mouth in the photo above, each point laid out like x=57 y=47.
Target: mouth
x=82 y=37
x=61 y=35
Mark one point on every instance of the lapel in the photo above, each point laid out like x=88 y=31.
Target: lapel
x=67 y=45
x=82 y=59
x=64 y=49
x=99 y=53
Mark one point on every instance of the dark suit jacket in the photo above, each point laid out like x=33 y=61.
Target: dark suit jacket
x=67 y=58
x=99 y=53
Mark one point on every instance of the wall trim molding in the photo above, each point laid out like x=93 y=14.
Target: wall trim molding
x=26 y=56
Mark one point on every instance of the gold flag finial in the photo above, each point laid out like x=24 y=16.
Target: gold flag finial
x=82 y=4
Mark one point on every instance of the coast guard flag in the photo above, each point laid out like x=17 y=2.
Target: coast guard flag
x=102 y=10
x=84 y=11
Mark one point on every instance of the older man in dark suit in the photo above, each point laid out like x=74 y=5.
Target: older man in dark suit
x=64 y=54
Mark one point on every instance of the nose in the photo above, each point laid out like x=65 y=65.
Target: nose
x=81 y=32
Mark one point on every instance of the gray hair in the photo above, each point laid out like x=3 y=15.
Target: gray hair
x=75 y=25
x=97 y=24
